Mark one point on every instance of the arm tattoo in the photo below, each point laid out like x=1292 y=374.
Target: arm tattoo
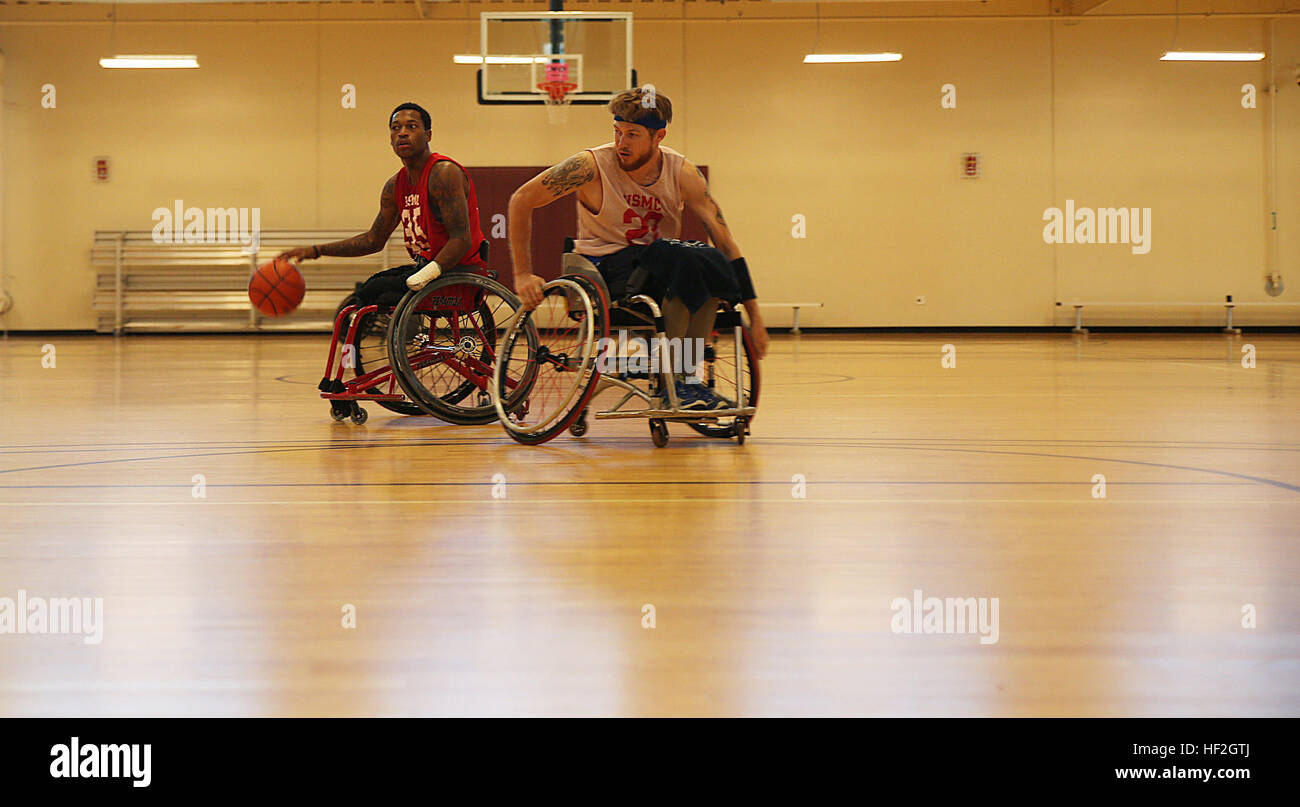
x=447 y=199
x=572 y=173
x=373 y=239
x=717 y=208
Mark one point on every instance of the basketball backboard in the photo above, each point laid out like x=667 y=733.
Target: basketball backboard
x=516 y=48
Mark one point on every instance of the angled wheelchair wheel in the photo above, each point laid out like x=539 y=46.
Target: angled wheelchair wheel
x=370 y=352
x=443 y=341
x=550 y=356
x=719 y=369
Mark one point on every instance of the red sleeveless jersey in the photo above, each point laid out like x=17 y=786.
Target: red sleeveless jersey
x=424 y=235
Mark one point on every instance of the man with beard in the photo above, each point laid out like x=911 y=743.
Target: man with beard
x=631 y=193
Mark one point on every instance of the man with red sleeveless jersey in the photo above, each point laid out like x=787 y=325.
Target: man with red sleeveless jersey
x=431 y=196
x=630 y=196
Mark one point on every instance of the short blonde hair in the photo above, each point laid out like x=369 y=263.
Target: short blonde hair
x=642 y=102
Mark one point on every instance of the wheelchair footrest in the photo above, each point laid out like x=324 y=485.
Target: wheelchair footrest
x=680 y=414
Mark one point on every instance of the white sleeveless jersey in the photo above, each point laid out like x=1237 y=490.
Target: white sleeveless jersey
x=630 y=213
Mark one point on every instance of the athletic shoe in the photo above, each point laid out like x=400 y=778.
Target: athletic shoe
x=424 y=276
x=698 y=397
x=727 y=403
x=684 y=397
x=713 y=399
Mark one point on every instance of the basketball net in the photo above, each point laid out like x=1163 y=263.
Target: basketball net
x=557 y=88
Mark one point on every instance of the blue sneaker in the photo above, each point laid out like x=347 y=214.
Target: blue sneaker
x=727 y=403
x=686 y=397
x=698 y=397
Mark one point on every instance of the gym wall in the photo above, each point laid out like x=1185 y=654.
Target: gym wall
x=865 y=154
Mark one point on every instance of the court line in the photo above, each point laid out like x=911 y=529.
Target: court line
x=313 y=445
x=171 y=446
x=1259 y=479
x=163 y=445
x=595 y=483
x=840 y=444
x=641 y=501
x=251 y=447
x=772 y=442
x=502 y=441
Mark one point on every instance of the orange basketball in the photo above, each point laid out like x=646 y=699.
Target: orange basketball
x=276 y=288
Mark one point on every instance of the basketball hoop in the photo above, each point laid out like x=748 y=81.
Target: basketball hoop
x=557 y=88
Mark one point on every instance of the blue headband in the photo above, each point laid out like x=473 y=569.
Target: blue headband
x=647 y=122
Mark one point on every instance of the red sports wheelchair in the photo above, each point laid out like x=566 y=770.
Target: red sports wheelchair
x=430 y=352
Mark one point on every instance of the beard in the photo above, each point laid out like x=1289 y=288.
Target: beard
x=635 y=162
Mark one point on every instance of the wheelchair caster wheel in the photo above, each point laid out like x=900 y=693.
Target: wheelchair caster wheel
x=359 y=416
x=658 y=432
x=338 y=413
x=742 y=429
x=579 y=427
x=484 y=399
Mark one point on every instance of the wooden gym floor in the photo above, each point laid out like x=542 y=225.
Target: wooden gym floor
x=974 y=481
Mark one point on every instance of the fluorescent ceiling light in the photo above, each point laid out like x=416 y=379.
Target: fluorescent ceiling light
x=838 y=58
x=1212 y=56
x=474 y=58
x=149 y=60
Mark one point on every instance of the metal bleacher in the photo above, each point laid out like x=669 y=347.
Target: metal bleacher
x=143 y=286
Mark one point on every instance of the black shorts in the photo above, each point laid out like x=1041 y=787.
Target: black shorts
x=691 y=271
x=617 y=269
x=387 y=288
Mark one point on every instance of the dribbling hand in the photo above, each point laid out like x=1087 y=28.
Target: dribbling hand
x=297 y=254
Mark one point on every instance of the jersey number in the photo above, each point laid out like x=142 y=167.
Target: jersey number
x=411 y=231
x=649 y=224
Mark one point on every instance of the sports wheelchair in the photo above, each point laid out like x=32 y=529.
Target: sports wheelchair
x=429 y=352
x=557 y=357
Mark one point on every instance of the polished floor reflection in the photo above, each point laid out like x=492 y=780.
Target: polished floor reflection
x=1130 y=500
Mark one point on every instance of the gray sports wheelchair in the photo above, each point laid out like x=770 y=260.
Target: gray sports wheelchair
x=554 y=361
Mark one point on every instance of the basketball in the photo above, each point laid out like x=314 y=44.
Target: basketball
x=276 y=288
